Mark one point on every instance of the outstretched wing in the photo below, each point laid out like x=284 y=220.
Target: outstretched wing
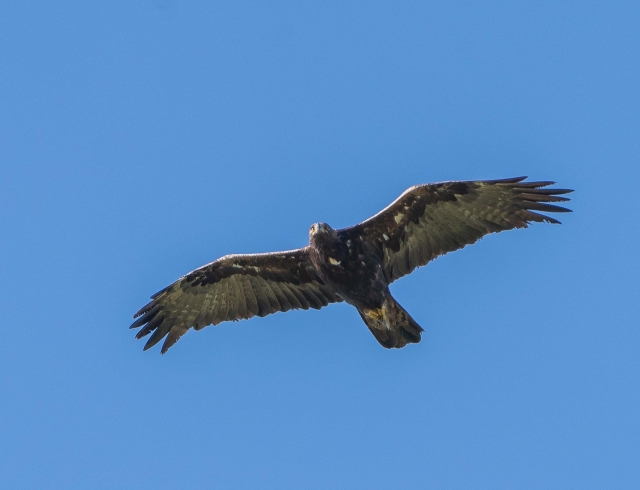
x=433 y=219
x=232 y=288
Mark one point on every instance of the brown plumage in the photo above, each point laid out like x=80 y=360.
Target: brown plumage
x=354 y=264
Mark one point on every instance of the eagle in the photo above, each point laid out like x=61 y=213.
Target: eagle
x=355 y=264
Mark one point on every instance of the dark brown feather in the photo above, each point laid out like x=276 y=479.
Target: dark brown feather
x=234 y=287
x=433 y=219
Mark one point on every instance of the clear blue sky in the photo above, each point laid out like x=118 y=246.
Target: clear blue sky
x=142 y=139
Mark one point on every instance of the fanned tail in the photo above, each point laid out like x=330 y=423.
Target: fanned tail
x=391 y=325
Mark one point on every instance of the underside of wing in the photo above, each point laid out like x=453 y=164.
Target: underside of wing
x=432 y=219
x=233 y=287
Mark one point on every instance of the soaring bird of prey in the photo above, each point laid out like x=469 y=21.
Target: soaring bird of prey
x=354 y=264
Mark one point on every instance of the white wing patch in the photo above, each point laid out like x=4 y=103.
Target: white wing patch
x=238 y=266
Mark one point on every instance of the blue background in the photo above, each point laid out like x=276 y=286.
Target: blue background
x=142 y=139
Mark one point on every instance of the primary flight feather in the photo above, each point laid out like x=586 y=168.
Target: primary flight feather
x=354 y=264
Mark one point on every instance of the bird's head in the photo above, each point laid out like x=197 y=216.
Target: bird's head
x=318 y=229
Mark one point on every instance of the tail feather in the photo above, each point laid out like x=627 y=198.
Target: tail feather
x=391 y=325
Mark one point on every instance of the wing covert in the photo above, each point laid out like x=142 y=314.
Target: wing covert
x=432 y=219
x=233 y=287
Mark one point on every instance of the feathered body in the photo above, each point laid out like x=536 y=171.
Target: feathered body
x=352 y=267
x=354 y=264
